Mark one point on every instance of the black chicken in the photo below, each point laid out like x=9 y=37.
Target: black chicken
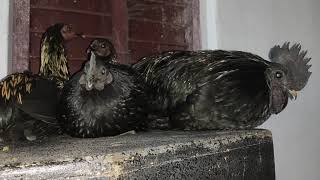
x=104 y=49
x=202 y=90
x=28 y=101
x=103 y=99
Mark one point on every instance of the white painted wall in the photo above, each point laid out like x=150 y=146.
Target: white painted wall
x=208 y=24
x=5 y=51
x=255 y=26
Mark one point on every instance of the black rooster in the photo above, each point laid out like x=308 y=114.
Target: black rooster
x=28 y=101
x=202 y=90
x=103 y=99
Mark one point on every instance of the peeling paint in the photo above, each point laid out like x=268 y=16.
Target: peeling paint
x=21 y=23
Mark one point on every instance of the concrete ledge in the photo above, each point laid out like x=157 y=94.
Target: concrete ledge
x=153 y=155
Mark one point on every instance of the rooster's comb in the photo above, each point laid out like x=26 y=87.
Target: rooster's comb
x=295 y=61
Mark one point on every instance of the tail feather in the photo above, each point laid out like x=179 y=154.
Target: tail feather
x=14 y=86
x=42 y=102
x=31 y=95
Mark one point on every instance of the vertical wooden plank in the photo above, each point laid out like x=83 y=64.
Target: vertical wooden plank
x=120 y=29
x=192 y=17
x=196 y=30
x=21 y=24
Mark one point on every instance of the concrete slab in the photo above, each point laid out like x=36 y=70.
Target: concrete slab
x=151 y=155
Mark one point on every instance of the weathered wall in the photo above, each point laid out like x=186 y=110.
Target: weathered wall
x=156 y=26
x=20 y=35
x=91 y=17
x=136 y=27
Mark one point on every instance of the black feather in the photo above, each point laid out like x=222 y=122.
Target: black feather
x=200 y=90
x=28 y=98
x=89 y=111
x=28 y=102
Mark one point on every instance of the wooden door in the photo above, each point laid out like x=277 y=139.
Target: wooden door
x=137 y=27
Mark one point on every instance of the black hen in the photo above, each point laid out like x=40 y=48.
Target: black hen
x=103 y=99
x=28 y=106
x=104 y=49
x=223 y=89
x=27 y=101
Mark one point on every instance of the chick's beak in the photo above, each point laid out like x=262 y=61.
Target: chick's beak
x=293 y=94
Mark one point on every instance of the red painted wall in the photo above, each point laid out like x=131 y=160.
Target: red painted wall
x=156 y=26
x=137 y=27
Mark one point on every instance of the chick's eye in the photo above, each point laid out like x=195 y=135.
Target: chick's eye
x=103 y=45
x=278 y=75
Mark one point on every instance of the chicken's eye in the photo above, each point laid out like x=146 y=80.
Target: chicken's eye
x=278 y=75
x=103 y=71
x=68 y=28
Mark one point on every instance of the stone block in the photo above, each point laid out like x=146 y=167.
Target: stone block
x=220 y=155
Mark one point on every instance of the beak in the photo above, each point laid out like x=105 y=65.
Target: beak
x=293 y=94
x=89 y=85
x=90 y=49
x=81 y=35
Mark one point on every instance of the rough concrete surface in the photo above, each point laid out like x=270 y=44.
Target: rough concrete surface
x=166 y=155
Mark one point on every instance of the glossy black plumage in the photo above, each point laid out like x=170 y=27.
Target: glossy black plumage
x=28 y=102
x=201 y=90
x=102 y=99
x=32 y=104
